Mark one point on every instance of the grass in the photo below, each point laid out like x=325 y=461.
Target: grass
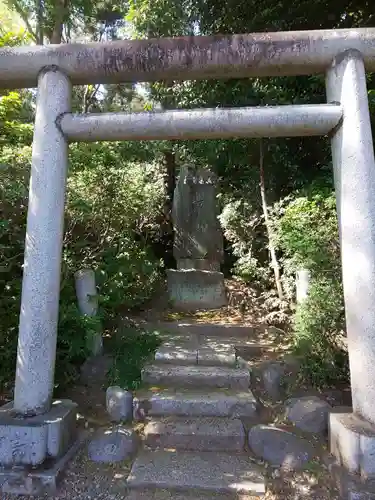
x=131 y=348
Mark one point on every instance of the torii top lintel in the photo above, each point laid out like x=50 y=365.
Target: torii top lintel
x=187 y=58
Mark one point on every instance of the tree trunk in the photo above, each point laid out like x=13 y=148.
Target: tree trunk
x=61 y=7
x=274 y=261
x=170 y=184
x=170 y=176
x=39 y=28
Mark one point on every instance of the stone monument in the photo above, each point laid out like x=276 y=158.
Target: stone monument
x=198 y=242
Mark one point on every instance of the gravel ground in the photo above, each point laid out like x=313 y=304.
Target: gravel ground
x=86 y=480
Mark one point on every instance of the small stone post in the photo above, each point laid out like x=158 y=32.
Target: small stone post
x=44 y=236
x=88 y=303
x=352 y=435
x=302 y=284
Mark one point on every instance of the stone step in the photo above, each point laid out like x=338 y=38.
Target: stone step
x=195 y=472
x=177 y=355
x=217 y=355
x=203 y=434
x=196 y=376
x=208 y=354
x=152 y=494
x=198 y=403
x=207 y=329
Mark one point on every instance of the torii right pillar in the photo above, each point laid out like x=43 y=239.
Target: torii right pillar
x=352 y=433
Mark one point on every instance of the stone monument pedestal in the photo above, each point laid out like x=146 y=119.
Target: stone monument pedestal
x=196 y=289
x=352 y=442
x=34 y=450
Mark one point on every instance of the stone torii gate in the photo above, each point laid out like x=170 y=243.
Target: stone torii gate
x=37 y=435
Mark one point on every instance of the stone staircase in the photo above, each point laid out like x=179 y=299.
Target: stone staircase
x=196 y=397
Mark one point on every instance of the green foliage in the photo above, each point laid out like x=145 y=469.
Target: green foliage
x=319 y=334
x=115 y=206
x=114 y=200
x=242 y=227
x=110 y=220
x=12 y=131
x=132 y=347
x=307 y=234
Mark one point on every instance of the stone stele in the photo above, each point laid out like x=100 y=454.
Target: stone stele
x=198 y=242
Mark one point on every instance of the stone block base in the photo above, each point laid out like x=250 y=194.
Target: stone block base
x=41 y=480
x=196 y=289
x=352 y=442
x=33 y=450
x=32 y=440
x=352 y=486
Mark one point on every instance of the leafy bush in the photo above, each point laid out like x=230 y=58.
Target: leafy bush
x=113 y=209
x=307 y=234
x=319 y=335
x=132 y=346
x=111 y=218
x=241 y=224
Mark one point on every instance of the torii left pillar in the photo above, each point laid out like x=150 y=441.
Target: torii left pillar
x=37 y=435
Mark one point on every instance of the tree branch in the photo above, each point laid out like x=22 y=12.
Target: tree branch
x=274 y=261
x=24 y=16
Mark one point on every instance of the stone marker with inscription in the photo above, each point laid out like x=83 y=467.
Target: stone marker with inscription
x=198 y=243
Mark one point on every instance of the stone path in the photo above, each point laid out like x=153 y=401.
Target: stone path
x=197 y=391
x=202 y=439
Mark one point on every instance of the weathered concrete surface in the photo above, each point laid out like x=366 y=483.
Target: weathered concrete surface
x=227 y=332
x=190 y=58
x=352 y=486
x=197 y=238
x=30 y=441
x=180 y=350
x=159 y=494
x=204 y=471
x=271 y=121
x=352 y=442
x=196 y=376
x=203 y=434
x=44 y=237
x=39 y=481
x=196 y=351
x=201 y=264
x=197 y=230
x=193 y=289
x=87 y=297
x=215 y=355
x=354 y=175
x=196 y=403
x=183 y=355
